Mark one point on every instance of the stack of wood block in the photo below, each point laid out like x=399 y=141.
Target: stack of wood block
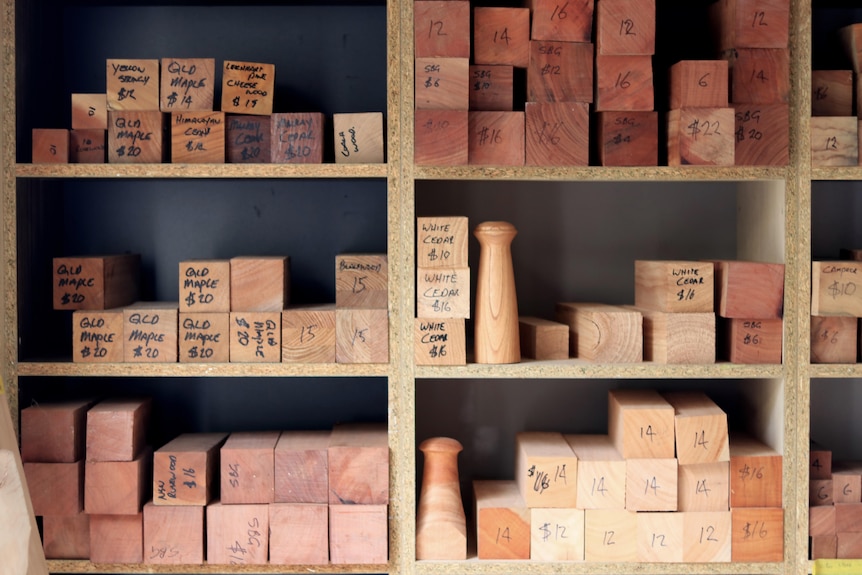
x=361 y=308
x=835 y=507
x=836 y=303
x=259 y=292
x=442 y=291
x=204 y=311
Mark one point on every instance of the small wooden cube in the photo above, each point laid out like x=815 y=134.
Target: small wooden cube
x=361 y=336
x=674 y=286
x=753 y=340
x=501 y=36
x=834 y=141
x=439 y=342
x=359 y=464
x=834 y=289
x=701 y=136
x=502 y=520
x=566 y=21
x=88 y=146
x=302 y=467
x=602 y=333
x=259 y=283
x=751 y=23
x=96 y=282
x=187 y=84
x=820 y=461
x=185 y=469
x=132 y=84
x=651 y=484
x=832 y=92
x=173 y=535
x=755 y=473
x=491 y=87
x=117 y=487
x=851 y=39
x=759 y=75
x=362 y=281
x=819 y=492
x=50 y=146
x=627 y=138
x=441 y=29
x=821 y=520
x=543 y=339
x=136 y=137
x=308 y=334
x=359 y=137
x=846 y=483
x=89 y=112
x=678 y=337
x=545 y=469
x=848 y=517
x=150 y=331
x=495 y=139
x=54 y=432
x=358 y=534
x=641 y=424
x=249 y=140
x=762 y=134
x=97 y=336
x=197 y=137
x=700 y=427
x=833 y=339
x=247 y=464
x=624 y=83
x=625 y=27
x=707 y=537
x=848 y=546
x=442 y=293
x=557 y=133
x=749 y=289
x=298 y=534
x=442 y=83
x=255 y=337
x=66 y=536
x=699 y=84
x=610 y=535
x=824 y=547
x=757 y=534
x=117 y=429
x=297 y=138
x=237 y=534
x=56 y=488
x=247 y=88
x=704 y=486
x=204 y=286
x=117 y=538
x=660 y=537
x=441 y=242
x=601 y=472
x=560 y=72
x=556 y=534
x=440 y=138
x=204 y=337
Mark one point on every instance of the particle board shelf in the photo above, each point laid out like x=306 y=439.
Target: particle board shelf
x=73 y=566
x=835 y=370
x=603 y=174
x=259 y=171
x=474 y=566
x=69 y=369
x=849 y=173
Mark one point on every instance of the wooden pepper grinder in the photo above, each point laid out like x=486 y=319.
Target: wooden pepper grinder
x=441 y=526
x=496 y=303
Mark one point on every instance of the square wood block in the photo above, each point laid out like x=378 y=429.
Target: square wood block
x=834 y=339
x=298 y=534
x=439 y=342
x=491 y=88
x=361 y=336
x=185 y=469
x=753 y=341
x=757 y=535
x=611 y=535
x=557 y=133
x=56 y=488
x=546 y=469
x=641 y=424
x=89 y=112
x=117 y=429
x=746 y=289
x=832 y=92
x=751 y=23
x=704 y=486
x=66 y=536
x=625 y=27
x=442 y=293
x=187 y=84
x=358 y=464
x=362 y=281
x=358 y=534
x=441 y=29
x=834 y=141
x=501 y=36
x=96 y=282
x=359 y=137
x=117 y=487
x=677 y=338
x=255 y=337
x=700 y=426
x=699 y=84
x=759 y=75
x=247 y=468
x=88 y=146
x=54 y=432
x=237 y=534
x=297 y=138
x=556 y=534
x=707 y=537
x=502 y=520
x=247 y=88
x=762 y=135
x=150 y=331
x=441 y=242
x=440 y=138
x=566 y=22
x=442 y=83
x=249 y=140
x=660 y=537
x=204 y=337
x=602 y=333
x=197 y=137
x=173 y=535
x=259 y=283
x=117 y=538
x=674 y=286
x=495 y=139
x=302 y=467
x=651 y=484
x=543 y=339
x=624 y=83
x=701 y=136
x=308 y=334
x=601 y=472
x=137 y=137
x=132 y=84
x=627 y=138
x=560 y=72
x=755 y=473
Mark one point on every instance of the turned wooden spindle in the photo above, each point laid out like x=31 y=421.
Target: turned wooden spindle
x=496 y=302
x=441 y=526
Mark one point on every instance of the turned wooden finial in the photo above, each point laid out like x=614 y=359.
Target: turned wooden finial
x=441 y=526
x=496 y=311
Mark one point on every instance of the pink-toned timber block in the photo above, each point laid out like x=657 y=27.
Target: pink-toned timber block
x=173 y=535
x=557 y=133
x=302 y=467
x=66 y=536
x=54 y=432
x=299 y=534
x=237 y=534
x=50 y=146
x=358 y=534
x=117 y=538
x=117 y=487
x=247 y=467
x=440 y=138
x=359 y=464
x=56 y=488
x=501 y=36
x=560 y=72
x=570 y=21
x=496 y=139
x=116 y=429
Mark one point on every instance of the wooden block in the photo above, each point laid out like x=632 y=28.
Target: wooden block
x=678 y=337
x=543 y=339
x=700 y=427
x=442 y=293
x=358 y=534
x=566 y=21
x=204 y=286
x=56 y=488
x=560 y=71
x=624 y=83
x=359 y=464
x=557 y=133
x=699 y=84
x=674 y=286
x=361 y=336
x=66 y=537
x=89 y=112
x=602 y=333
x=820 y=459
x=749 y=289
x=117 y=429
x=651 y=484
x=824 y=547
x=491 y=87
x=625 y=27
x=834 y=288
x=762 y=134
x=308 y=334
x=851 y=39
x=441 y=29
x=359 y=137
x=96 y=282
x=755 y=474
x=97 y=336
x=204 y=337
x=117 y=487
x=753 y=341
x=821 y=520
x=439 y=342
x=237 y=534
x=495 y=139
x=848 y=517
x=259 y=283
x=610 y=535
x=302 y=467
x=185 y=469
x=704 y=486
x=150 y=331
x=361 y=281
x=247 y=88
x=187 y=84
x=627 y=138
x=851 y=254
x=757 y=535
x=197 y=137
x=848 y=546
x=545 y=469
x=298 y=534
x=834 y=141
x=440 y=138
x=641 y=423
x=247 y=463
x=846 y=483
x=752 y=23
x=442 y=83
x=660 y=537
x=54 y=432
x=132 y=84
x=502 y=520
x=706 y=537
x=601 y=472
x=759 y=75
x=249 y=139
x=441 y=242
x=501 y=36
x=819 y=492
x=556 y=534
x=832 y=92
x=88 y=146
x=255 y=337
x=173 y=535
x=136 y=137
x=833 y=339
x=701 y=136
x=50 y=146
x=117 y=538
x=297 y=138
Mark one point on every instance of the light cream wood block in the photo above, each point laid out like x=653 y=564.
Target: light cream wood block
x=137 y=137
x=833 y=339
x=706 y=537
x=568 y=22
x=754 y=341
x=747 y=289
x=624 y=83
x=298 y=534
x=759 y=75
x=150 y=331
x=255 y=337
x=848 y=546
x=173 y=535
x=361 y=336
x=117 y=487
x=848 y=517
x=88 y=146
x=492 y=88
x=755 y=473
x=197 y=137
x=699 y=84
x=96 y=282
x=543 y=339
x=359 y=137
x=89 y=112
x=185 y=469
x=54 y=432
x=296 y=138
x=247 y=464
x=701 y=136
x=502 y=520
x=832 y=92
x=751 y=23
x=117 y=538
x=440 y=137
x=560 y=72
x=824 y=547
x=358 y=534
x=501 y=36
x=758 y=535
x=704 y=486
x=557 y=133
x=651 y=485
x=439 y=342
x=132 y=84
x=66 y=537
x=820 y=458
x=51 y=146
x=676 y=338
x=442 y=293
x=308 y=334
x=762 y=134
x=602 y=333
x=819 y=492
x=546 y=469
x=249 y=139
x=442 y=83
x=641 y=424
x=361 y=281
x=660 y=537
x=259 y=283
x=700 y=427
x=117 y=429
x=302 y=467
x=56 y=488
x=821 y=520
x=611 y=535
x=601 y=472
x=674 y=286
x=204 y=337
x=441 y=29
x=97 y=336
x=237 y=534
x=442 y=242
x=556 y=534
x=627 y=138
x=625 y=27
x=834 y=141
x=359 y=464
x=187 y=84
x=846 y=482
x=834 y=287
x=247 y=88
x=496 y=139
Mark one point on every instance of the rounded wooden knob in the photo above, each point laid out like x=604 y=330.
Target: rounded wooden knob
x=496 y=310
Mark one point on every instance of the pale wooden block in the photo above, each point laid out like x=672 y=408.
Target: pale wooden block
x=660 y=537
x=833 y=339
x=204 y=337
x=502 y=520
x=757 y=535
x=439 y=342
x=819 y=492
x=197 y=137
x=442 y=293
x=361 y=281
x=298 y=534
x=699 y=84
x=641 y=424
x=848 y=517
x=751 y=23
x=441 y=29
x=557 y=133
x=754 y=340
x=255 y=337
x=625 y=27
x=832 y=92
x=568 y=22
x=96 y=282
x=848 y=546
x=247 y=88
x=297 y=138
x=132 y=84
x=560 y=72
x=442 y=83
x=117 y=538
x=701 y=136
x=56 y=488
x=759 y=75
x=247 y=467
x=755 y=473
x=676 y=338
x=173 y=535
x=602 y=333
x=749 y=289
x=834 y=141
x=543 y=339
x=601 y=472
x=359 y=464
x=820 y=459
x=302 y=467
x=501 y=36
x=150 y=331
x=762 y=134
x=556 y=534
x=117 y=429
x=496 y=139
x=624 y=83
x=185 y=469
x=440 y=137
x=136 y=137
x=361 y=336
x=117 y=487
x=259 y=283
x=834 y=288
x=187 y=84
x=97 y=336
x=847 y=482
x=308 y=334
x=611 y=535
x=704 y=487
x=66 y=537
x=89 y=112
x=88 y=146
x=651 y=484
x=358 y=534
x=627 y=138
x=249 y=139
x=700 y=426
x=706 y=537
x=359 y=137
x=54 y=432
x=50 y=146
x=821 y=520
x=824 y=547
x=492 y=87
x=442 y=242
x=851 y=39
x=546 y=469
x=674 y=286
x=237 y=534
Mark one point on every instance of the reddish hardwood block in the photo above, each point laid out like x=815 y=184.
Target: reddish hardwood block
x=602 y=333
x=247 y=467
x=834 y=141
x=362 y=281
x=759 y=75
x=173 y=535
x=502 y=520
x=699 y=84
x=249 y=140
x=132 y=84
x=439 y=342
x=848 y=546
x=560 y=72
x=50 y=146
x=641 y=424
x=610 y=535
x=187 y=84
x=545 y=469
x=833 y=288
x=361 y=336
x=496 y=138
x=556 y=534
x=678 y=337
x=624 y=83
x=751 y=23
x=204 y=337
x=707 y=537
x=117 y=538
x=821 y=520
x=651 y=484
x=255 y=337
x=96 y=282
x=660 y=537
x=197 y=137
x=757 y=535
x=298 y=534
x=442 y=293
x=440 y=138
x=66 y=537
x=749 y=289
x=297 y=138
x=820 y=461
x=701 y=136
x=674 y=286
x=358 y=534
x=117 y=429
x=136 y=137
x=833 y=339
x=491 y=88
x=308 y=334
x=625 y=27
x=237 y=534
x=441 y=29
x=755 y=473
x=557 y=133
x=302 y=467
x=442 y=242
x=54 y=432
x=259 y=283
x=501 y=36
x=753 y=340
x=117 y=487
x=562 y=21
x=150 y=331
x=824 y=547
x=88 y=146
x=56 y=488
x=601 y=472
x=704 y=486
x=89 y=112
x=848 y=517
x=185 y=469
x=247 y=88
x=851 y=39
x=442 y=84
x=543 y=339
x=832 y=92
x=359 y=138
x=819 y=492
x=847 y=483
x=627 y=138
x=762 y=134
x=359 y=464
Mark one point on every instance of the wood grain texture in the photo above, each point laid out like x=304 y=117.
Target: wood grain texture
x=88 y=146
x=237 y=534
x=625 y=27
x=96 y=282
x=700 y=427
x=247 y=464
x=502 y=520
x=757 y=535
x=204 y=337
x=297 y=138
x=546 y=469
x=660 y=537
x=441 y=523
x=89 y=112
x=834 y=141
x=560 y=71
x=117 y=429
x=759 y=75
x=496 y=139
x=700 y=136
x=601 y=472
x=50 y=146
x=255 y=337
x=707 y=537
x=572 y=22
x=819 y=492
x=442 y=293
x=137 y=136
x=66 y=536
x=185 y=469
x=150 y=330
x=439 y=342
x=358 y=534
x=623 y=83
x=751 y=23
x=54 y=432
x=187 y=84
x=442 y=242
x=118 y=487
x=298 y=534
x=824 y=547
x=132 y=84
x=361 y=281
x=543 y=339
x=259 y=283
x=492 y=88
x=651 y=484
x=851 y=40
x=501 y=36
x=441 y=29
x=556 y=534
x=302 y=467
x=56 y=488
x=247 y=88
x=359 y=138
x=442 y=83
x=678 y=337
x=749 y=289
x=197 y=137
x=603 y=333
x=821 y=520
x=833 y=339
x=496 y=311
x=557 y=133
x=610 y=535
x=440 y=137
x=834 y=288
x=753 y=341
x=674 y=286
x=359 y=464
x=641 y=424
x=117 y=538
x=173 y=535
x=308 y=334
x=832 y=92
x=704 y=486
x=249 y=139
x=755 y=474
x=627 y=138
x=361 y=336
x=699 y=84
